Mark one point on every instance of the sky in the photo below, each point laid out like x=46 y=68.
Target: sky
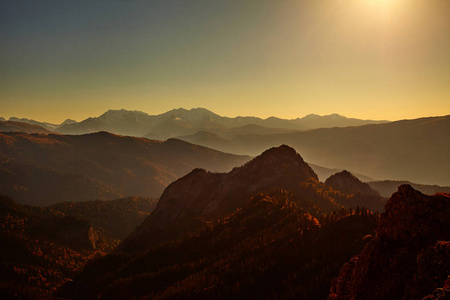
x=368 y=59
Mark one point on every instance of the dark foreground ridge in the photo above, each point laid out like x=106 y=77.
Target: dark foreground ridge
x=409 y=258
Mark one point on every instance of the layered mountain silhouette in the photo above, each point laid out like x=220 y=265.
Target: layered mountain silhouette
x=45 y=169
x=378 y=149
x=362 y=194
x=10 y=126
x=412 y=150
x=202 y=194
x=46 y=125
x=348 y=183
x=409 y=256
x=181 y=122
x=387 y=187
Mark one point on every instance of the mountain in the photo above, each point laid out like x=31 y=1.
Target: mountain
x=10 y=126
x=48 y=126
x=413 y=150
x=115 y=218
x=106 y=165
x=313 y=121
x=34 y=184
x=363 y=194
x=409 y=256
x=2 y=119
x=205 y=195
x=269 y=247
x=214 y=141
x=388 y=187
x=323 y=173
x=182 y=122
x=348 y=183
x=40 y=250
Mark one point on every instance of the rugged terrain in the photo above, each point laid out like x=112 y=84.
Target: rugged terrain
x=409 y=256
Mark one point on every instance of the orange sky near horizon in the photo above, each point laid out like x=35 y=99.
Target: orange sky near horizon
x=367 y=59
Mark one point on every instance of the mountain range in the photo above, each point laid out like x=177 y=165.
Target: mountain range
x=205 y=195
x=413 y=150
x=180 y=122
x=407 y=150
x=268 y=227
x=45 y=169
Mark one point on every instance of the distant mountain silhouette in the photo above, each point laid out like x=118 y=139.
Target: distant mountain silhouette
x=364 y=195
x=324 y=173
x=100 y=164
x=348 y=183
x=182 y=122
x=388 y=187
x=408 y=258
x=11 y=126
x=413 y=150
x=213 y=141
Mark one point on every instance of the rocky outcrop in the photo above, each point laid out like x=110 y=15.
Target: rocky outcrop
x=348 y=183
x=360 y=193
x=408 y=258
x=205 y=194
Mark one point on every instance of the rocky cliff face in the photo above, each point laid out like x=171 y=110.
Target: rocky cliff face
x=205 y=194
x=408 y=258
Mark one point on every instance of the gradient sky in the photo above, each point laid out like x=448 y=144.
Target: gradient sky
x=371 y=59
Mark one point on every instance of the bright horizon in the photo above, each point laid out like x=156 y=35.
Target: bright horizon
x=365 y=59
x=59 y=120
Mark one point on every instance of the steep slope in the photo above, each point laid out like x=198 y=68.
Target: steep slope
x=204 y=194
x=127 y=166
x=409 y=257
x=270 y=247
x=30 y=184
x=348 y=183
x=40 y=250
x=10 y=126
x=116 y=218
x=363 y=195
x=413 y=150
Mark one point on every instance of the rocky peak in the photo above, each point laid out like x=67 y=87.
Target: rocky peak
x=282 y=161
x=205 y=194
x=412 y=215
x=408 y=258
x=348 y=183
